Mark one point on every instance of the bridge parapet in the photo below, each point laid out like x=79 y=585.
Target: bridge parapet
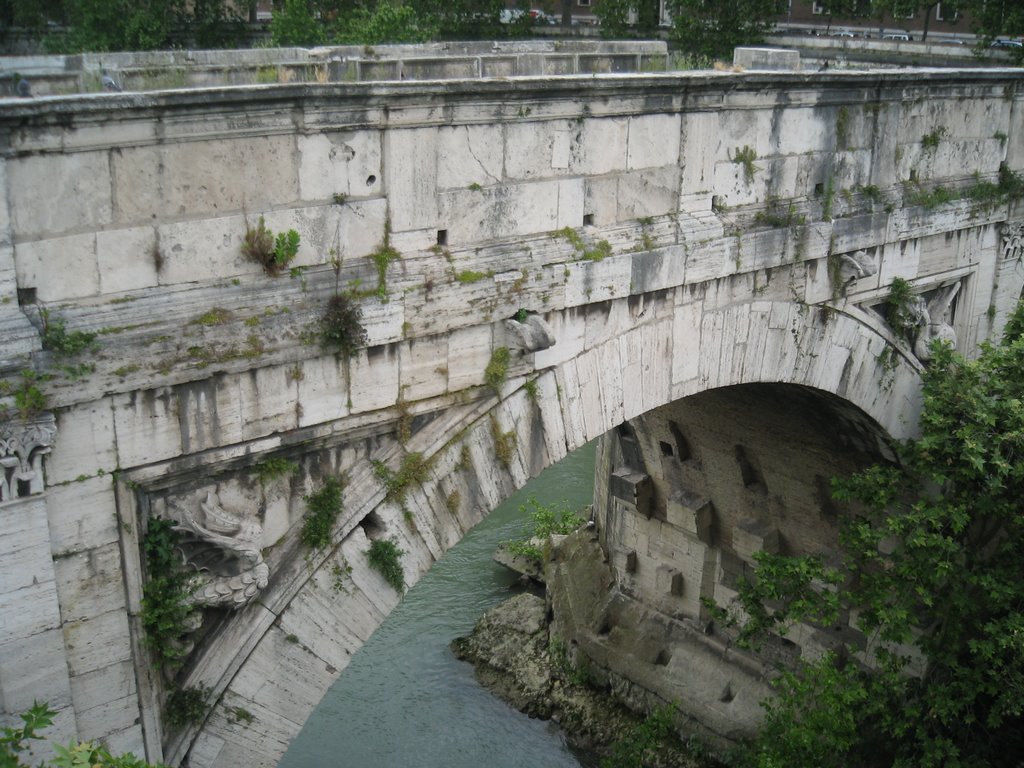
x=673 y=233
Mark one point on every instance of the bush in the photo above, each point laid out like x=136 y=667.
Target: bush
x=545 y=521
x=273 y=254
x=385 y=556
x=166 y=612
x=324 y=506
x=341 y=325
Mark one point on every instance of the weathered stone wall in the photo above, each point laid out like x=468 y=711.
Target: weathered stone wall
x=674 y=233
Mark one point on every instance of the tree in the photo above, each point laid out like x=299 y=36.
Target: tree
x=993 y=19
x=713 y=28
x=615 y=16
x=120 y=25
x=931 y=570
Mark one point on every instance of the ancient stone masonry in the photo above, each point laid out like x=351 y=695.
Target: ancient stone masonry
x=23 y=445
x=535 y=262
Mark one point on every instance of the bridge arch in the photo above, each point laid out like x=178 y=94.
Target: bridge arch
x=278 y=660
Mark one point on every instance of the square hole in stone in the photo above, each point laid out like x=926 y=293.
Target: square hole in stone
x=442 y=237
x=588 y=219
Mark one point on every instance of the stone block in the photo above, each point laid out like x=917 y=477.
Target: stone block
x=593 y=281
x=692 y=513
x=469 y=154
x=267 y=403
x=539 y=150
x=90 y=583
x=699 y=143
x=24 y=544
x=633 y=488
x=410 y=169
x=59 y=268
x=82 y=515
x=125 y=259
x=422 y=366
x=653 y=141
x=361 y=227
x=752 y=536
x=55 y=193
x=769 y=59
x=30 y=610
x=602 y=146
x=571 y=203
x=642 y=194
x=497 y=213
x=205 y=249
x=85 y=443
x=469 y=352
x=205 y=178
x=374 y=382
x=32 y=670
x=322 y=390
x=97 y=642
x=147 y=426
x=105 y=700
x=339 y=163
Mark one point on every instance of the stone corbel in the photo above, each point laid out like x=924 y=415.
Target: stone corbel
x=23 y=444
x=531 y=335
x=854 y=266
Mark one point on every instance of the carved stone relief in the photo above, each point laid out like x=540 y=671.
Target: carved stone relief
x=23 y=443
x=224 y=548
x=530 y=335
x=854 y=266
x=1013 y=240
x=931 y=317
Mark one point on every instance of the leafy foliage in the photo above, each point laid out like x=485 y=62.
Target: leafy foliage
x=544 y=520
x=640 y=746
x=341 y=325
x=386 y=557
x=384 y=23
x=413 y=469
x=166 y=613
x=294 y=24
x=15 y=740
x=29 y=400
x=62 y=342
x=931 y=570
x=273 y=254
x=710 y=28
x=324 y=506
x=186 y=706
x=497 y=367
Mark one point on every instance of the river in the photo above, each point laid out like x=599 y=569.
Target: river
x=405 y=700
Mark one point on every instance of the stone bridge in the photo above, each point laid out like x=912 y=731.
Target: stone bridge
x=537 y=261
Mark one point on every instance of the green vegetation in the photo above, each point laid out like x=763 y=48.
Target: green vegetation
x=414 y=469
x=544 y=520
x=60 y=341
x=899 y=309
x=645 y=741
x=715 y=29
x=497 y=368
x=601 y=250
x=323 y=508
x=931 y=569
x=504 y=443
x=272 y=253
x=745 y=156
x=931 y=140
x=385 y=556
x=341 y=325
x=29 y=400
x=166 y=615
x=15 y=740
x=187 y=706
x=772 y=217
x=467 y=276
x=273 y=468
x=842 y=126
x=214 y=316
x=382 y=258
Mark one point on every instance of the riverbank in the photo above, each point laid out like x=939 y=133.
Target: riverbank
x=519 y=658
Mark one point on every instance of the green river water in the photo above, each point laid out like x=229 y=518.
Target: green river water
x=405 y=701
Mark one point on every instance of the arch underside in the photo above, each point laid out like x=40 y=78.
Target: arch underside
x=613 y=363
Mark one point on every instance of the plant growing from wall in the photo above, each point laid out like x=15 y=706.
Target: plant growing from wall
x=497 y=368
x=341 y=325
x=322 y=510
x=167 y=616
x=385 y=556
x=59 y=340
x=274 y=468
x=930 y=141
x=504 y=443
x=899 y=307
x=745 y=157
x=272 y=253
x=187 y=706
x=602 y=248
x=544 y=521
x=413 y=469
x=29 y=400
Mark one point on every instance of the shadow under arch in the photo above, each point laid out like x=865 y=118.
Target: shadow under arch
x=276 y=662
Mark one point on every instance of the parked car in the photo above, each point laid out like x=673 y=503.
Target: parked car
x=1007 y=44
x=898 y=36
x=842 y=33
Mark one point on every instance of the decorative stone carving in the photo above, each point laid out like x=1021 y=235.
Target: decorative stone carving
x=23 y=443
x=530 y=335
x=1013 y=241
x=854 y=266
x=224 y=549
x=933 y=321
